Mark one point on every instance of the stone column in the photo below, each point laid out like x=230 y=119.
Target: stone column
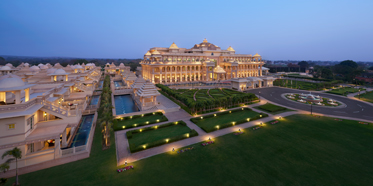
x=260 y=70
x=18 y=96
x=64 y=140
x=57 y=147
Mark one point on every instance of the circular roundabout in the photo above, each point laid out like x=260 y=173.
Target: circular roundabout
x=315 y=100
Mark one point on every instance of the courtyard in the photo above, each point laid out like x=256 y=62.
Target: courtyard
x=326 y=152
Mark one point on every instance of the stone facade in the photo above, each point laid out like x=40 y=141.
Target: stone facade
x=203 y=62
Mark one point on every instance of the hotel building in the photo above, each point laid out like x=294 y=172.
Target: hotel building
x=48 y=112
x=203 y=62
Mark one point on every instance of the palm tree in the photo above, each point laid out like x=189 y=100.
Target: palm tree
x=106 y=121
x=17 y=154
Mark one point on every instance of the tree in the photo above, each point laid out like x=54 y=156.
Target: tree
x=303 y=64
x=4 y=167
x=370 y=68
x=16 y=154
x=2 y=61
x=80 y=61
x=349 y=63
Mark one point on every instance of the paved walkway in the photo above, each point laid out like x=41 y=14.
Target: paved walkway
x=122 y=146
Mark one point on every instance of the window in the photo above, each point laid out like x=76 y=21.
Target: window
x=30 y=122
x=11 y=126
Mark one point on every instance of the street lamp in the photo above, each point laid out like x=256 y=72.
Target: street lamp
x=259 y=96
x=311 y=108
x=359 y=93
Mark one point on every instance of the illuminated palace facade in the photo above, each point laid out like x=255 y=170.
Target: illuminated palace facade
x=203 y=62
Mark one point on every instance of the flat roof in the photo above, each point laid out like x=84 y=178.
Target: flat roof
x=29 y=111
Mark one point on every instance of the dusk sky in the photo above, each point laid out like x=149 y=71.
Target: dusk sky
x=277 y=30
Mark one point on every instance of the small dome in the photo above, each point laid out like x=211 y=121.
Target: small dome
x=8 y=76
x=44 y=67
x=39 y=65
x=57 y=64
x=121 y=65
x=11 y=82
x=26 y=64
x=59 y=71
x=205 y=41
x=230 y=49
x=78 y=67
x=34 y=68
x=155 y=52
x=148 y=54
x=256 y=55
x=9 y=65
x=5 y=68
x=90 y=64
x=51 y=70
x=173 y=46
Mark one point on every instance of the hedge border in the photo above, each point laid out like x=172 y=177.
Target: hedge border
x=164 y=118
x=226 y=125
x=133 y=149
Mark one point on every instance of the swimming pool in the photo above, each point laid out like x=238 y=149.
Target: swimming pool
x=100 y=84
x=124 y=104
x=118 y=83
x=94 y=100
x=84 y=129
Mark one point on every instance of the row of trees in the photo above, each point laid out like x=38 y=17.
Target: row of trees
x=204 y=105
x=105 y=112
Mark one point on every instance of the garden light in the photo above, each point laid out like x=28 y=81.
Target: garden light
x=125 y=162
x=279 y=117
x=176 y=123
x=167 y=140
x=217 y=127
x=230 y=112
x=142 y=115
x=130 y=117
x=233 y=123
x=187 y=135
x=173 y=149
x=157 y=120
x=210 y=138
x=261 y=123
x=147 y=122
x=214 y=114
x=239 y=130
x=144 y=146
x=260 y=115
x=248 y=119
x=123 y=127
x=140 y=130
x=156 y=127
x=153 y=113
x=201 y=117
x=135 y=125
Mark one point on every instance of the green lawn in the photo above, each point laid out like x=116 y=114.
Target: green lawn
x=129 y=123
x=273 y=109
x=226 y=118
x=158 y=134
x=366 y=96
x=300 y=150
x=303 y=85
x=344 y=90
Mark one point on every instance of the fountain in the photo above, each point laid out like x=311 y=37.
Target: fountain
x=310 y=97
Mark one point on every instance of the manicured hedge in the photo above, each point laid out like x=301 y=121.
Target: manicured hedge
x=164 y=118
x=225 y=125
x=196 y=119
x=133 y=149
x=271 y=108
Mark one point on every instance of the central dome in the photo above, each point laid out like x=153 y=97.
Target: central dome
x=11 y=82
x=60 y=72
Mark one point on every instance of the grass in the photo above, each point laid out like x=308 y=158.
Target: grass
x=344 y=91
x=273 y=109
x=368 y=97
x=131 y=122
x=226 y=118
x=158 y=134
x=300 y=150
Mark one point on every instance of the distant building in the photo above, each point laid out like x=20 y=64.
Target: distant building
x=202 y=62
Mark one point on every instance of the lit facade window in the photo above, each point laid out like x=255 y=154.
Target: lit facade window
x=11 y=126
